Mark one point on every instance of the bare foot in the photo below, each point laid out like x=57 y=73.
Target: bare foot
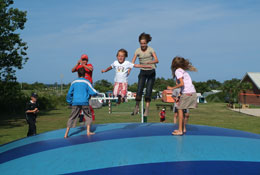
x=177 y=133
x=90 y=133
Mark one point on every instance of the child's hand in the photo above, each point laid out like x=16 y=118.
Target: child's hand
x=169 y=88
x=103 y=71
x=79 y=62
x=128 y=72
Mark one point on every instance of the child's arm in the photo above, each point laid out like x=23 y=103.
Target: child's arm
x=70 y=95
x=177 y=86
x=142 y=66
x=90 y=68
x=107 y=69
x=91 y=90
x=32 y=111
x=134 y=58
x=155 y=61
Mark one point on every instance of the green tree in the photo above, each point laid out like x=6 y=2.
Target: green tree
x=12 y=55
x=103 y=86
x=12 y=48
x=233 y=87
x=213 y=84
x=161 y=84
x=201 y=87
x=133 y=87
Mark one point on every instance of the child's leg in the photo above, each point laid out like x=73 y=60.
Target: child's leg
x=136 y=110
x=124 y=91
x=139 y=93
x=67 y=132
x=175 y=117
x=88 y=131
x=147 y=105
x=87 y=113
x=73 y=119
x=186 y=118
x=92 y=112
x=116 y=89
x=119 y=99
x=32 y=127
x=179 y=131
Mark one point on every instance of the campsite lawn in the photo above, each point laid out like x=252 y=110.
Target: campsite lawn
x=14 y=127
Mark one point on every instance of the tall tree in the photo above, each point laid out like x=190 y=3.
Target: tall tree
x=12 y=48
x=12 y=56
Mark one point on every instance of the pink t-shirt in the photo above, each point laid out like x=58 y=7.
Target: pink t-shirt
x=188 y=86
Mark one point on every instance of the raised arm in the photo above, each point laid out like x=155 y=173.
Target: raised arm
x=90 y=68
x=74 y=69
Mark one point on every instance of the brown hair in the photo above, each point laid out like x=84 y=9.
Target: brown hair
x=81 y=72
x=145 y=36
x=180 y=62
x=122 y=50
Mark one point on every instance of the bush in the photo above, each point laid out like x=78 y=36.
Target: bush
x=13 y=100
x=218 y=97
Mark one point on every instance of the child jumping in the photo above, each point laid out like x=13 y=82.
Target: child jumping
x=188 y=98
x=121 y=67
x=78 y=96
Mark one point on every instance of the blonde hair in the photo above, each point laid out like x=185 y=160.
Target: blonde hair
x=180 y=62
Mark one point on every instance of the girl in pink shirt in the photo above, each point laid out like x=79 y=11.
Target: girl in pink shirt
x=188 y=99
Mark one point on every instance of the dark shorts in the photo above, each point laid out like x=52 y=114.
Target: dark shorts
x=162 y=119
x=184 y=110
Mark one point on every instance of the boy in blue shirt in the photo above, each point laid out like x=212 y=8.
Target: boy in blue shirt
x=78 y=97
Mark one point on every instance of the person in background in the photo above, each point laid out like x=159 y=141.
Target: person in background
x=162 y=115
x=32 y=108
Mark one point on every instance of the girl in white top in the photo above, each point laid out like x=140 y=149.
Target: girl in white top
x=188 y=97
x=122 y=67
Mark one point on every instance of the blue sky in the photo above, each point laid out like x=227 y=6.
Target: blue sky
x=221 y=38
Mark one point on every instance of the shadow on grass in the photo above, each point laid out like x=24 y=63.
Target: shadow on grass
x=18 y=120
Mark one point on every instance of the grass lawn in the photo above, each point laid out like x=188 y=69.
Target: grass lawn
x=211 y=114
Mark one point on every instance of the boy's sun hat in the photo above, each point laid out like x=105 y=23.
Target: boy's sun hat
x=84 y=56
x=34 y=95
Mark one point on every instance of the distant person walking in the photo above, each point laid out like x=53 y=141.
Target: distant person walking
x=146 y=76
x=188 y=98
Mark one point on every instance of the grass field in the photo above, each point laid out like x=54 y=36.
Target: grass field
x=211 y=114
